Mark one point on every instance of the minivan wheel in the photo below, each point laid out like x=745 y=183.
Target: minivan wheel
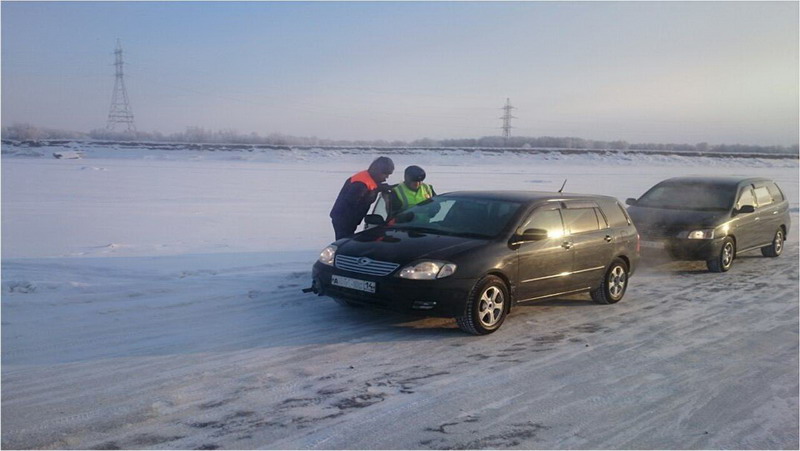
x=487 y=306
x=723 y=261
x=774 y=249
x=615 y=282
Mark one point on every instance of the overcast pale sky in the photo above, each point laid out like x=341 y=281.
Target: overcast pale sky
x=720 y=72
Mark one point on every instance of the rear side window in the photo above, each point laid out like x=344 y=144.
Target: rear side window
x=777 y=194
x=615 y=214
x=763 y=196
x=580 y=220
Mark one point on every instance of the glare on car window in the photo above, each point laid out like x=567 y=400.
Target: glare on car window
x=459 y=216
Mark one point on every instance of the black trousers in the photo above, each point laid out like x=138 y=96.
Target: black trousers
x=343 y=229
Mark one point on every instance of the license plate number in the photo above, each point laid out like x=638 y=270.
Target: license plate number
x=653 y=244
x=354 y=284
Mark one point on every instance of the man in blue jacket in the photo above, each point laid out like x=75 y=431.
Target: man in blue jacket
x=357 y=194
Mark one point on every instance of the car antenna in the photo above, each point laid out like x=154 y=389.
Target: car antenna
x=562 y=185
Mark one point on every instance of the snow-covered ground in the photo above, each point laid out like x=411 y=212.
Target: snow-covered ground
x=151 y=299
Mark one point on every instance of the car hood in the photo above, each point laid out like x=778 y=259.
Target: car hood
x=402 y=247
x=663 y=218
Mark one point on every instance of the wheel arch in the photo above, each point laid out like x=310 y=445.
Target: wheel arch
x=625 y=259
x=507 y=281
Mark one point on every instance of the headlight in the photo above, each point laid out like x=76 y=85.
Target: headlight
x=327 y=255
x=704 y=234
x=428 y=270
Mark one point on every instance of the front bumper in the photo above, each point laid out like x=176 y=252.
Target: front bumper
x=441 y=297
x=682 y=248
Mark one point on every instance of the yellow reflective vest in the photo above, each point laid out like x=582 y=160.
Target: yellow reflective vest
x=409 y=198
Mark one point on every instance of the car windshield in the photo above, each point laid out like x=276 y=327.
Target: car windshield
x=478 y=218
x=689 y=196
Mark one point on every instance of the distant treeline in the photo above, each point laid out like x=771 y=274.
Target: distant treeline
x=27 y=132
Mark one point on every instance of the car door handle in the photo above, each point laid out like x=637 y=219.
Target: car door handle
x=566 y=245
x=609 y=239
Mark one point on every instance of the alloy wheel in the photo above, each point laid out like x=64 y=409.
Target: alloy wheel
x=727 y=254
x=617 y=278
x=490 y=309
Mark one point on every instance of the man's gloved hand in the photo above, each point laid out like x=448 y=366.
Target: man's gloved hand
x=385 y=187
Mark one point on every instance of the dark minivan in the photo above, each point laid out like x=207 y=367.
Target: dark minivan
x=712 y=218
x=472 y=255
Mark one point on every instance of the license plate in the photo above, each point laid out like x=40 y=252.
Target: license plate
x=653 y=244
x=354 y=284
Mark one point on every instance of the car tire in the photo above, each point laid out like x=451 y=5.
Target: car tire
x=723 y=261
x=776 y=248
x=487 y=306
x=615 y=282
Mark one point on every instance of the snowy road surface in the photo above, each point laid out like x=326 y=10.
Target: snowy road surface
x=154 y=302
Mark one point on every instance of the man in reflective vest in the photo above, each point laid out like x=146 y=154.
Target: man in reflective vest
x=411 y=192
x=357 y=194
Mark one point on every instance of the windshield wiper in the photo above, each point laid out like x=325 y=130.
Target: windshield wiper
x=472 y=235
x=444 y=232
x=421 y=229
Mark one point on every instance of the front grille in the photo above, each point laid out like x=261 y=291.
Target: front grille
x=658 y=231
x=365 y=265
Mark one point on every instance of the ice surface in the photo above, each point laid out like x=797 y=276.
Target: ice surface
x=151 y=299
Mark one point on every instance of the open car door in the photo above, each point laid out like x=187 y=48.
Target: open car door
x=380 y=208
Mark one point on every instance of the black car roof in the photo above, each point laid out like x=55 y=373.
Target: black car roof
x=525 y=196
x=717 y=181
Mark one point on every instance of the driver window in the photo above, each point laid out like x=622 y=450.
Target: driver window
x=549 y=220
x=380 y=206
x=746 y=198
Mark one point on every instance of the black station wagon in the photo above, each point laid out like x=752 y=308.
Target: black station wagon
x=712 y=219
x=472 y=255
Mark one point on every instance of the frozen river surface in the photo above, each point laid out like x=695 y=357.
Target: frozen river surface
x=152 y=299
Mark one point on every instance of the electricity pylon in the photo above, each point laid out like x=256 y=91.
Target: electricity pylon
x=507 y=119
x=120 y=112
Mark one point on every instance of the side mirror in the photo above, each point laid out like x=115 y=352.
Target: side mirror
x=533 y=235
x=630 y=201
x=405 y=216
x=745 y=209
x=374 y=220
